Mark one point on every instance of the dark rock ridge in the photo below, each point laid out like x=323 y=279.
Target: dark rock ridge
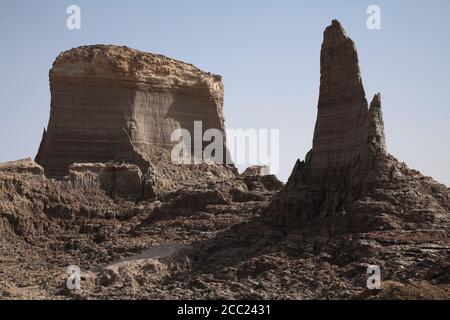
x=348 y=182
x=104 y=95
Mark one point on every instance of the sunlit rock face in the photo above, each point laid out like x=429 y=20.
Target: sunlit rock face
x=99 y=92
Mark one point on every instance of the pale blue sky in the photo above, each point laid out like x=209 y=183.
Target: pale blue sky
x=268 y=55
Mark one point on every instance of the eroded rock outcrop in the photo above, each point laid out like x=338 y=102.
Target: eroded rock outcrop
x=256 y=171
x=258 y=178
x=26 y=166
x=117 y=180
x=348 y=182
x=32 y=206
x=346 y=130
x=98 y=92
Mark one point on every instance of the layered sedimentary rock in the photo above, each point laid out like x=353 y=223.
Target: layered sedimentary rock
x=118 y=180
x=258 y=178
x=31 y=204
x=348 y=181
x=256 y=171
x=99 y=92
x=344 y=121
x=26 y=166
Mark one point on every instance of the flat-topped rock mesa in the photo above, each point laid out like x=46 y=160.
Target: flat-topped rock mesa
x=104 y=95
x=348 y=182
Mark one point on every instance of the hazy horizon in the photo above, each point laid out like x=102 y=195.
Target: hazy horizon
x=268 y=54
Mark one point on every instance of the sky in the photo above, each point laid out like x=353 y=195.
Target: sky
x=268 y=53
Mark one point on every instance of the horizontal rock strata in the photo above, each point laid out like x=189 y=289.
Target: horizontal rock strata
x=117 y=180
x=98 y=92
x=256 y=171
x=348 y=182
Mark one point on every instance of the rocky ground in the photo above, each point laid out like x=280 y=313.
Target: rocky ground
x=184 y=248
